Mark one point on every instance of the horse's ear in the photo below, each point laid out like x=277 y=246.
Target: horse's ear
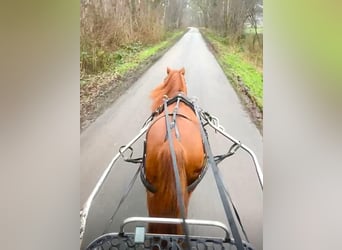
x=182 y=70
x=168 y=70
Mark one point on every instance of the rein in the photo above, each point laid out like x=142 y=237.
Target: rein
x=227 y=203
x=180 y=200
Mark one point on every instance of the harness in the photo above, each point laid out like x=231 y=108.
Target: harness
x=204 y=119
x=173 y=125
x=224 y=195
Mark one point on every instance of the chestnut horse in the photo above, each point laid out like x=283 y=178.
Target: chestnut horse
x=188 y=149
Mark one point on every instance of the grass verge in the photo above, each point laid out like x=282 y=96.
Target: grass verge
x=237 y=67
x=243 y=71
x=120 y=62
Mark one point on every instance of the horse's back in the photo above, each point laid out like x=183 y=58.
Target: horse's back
x=189 y=138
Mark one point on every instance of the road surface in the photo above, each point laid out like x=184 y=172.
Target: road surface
x=123 y=120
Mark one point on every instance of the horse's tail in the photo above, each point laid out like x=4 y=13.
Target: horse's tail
x=166 y=195
x=167 y=174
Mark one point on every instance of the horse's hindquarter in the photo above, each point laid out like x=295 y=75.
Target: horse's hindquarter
x=191 y=140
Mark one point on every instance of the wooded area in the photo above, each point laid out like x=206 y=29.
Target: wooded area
x=112 y=23
x=228 y=17
x=107 y=25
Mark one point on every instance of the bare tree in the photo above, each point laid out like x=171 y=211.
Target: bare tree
x=112 y=23
x=252 y=18
x=227 y=17
x=173 y=11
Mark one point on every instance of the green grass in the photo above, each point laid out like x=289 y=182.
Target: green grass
x=233 y=63
x=250 y=76
x=250 y=30
x=128 y=58
x=133 y=60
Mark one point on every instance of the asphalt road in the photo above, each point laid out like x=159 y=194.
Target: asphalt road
x=123 y=120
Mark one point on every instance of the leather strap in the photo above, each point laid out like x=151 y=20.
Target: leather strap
x=123 y=198
x=220 y=187
x=174 y=99
x=180 y=200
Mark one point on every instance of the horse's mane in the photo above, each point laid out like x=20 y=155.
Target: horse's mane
x=171 y=85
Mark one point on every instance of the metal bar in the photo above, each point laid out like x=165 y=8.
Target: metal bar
x=87 y=204
x=175 y=221
x=214 y=123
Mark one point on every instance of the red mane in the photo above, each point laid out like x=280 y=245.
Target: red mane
x=173 y=83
